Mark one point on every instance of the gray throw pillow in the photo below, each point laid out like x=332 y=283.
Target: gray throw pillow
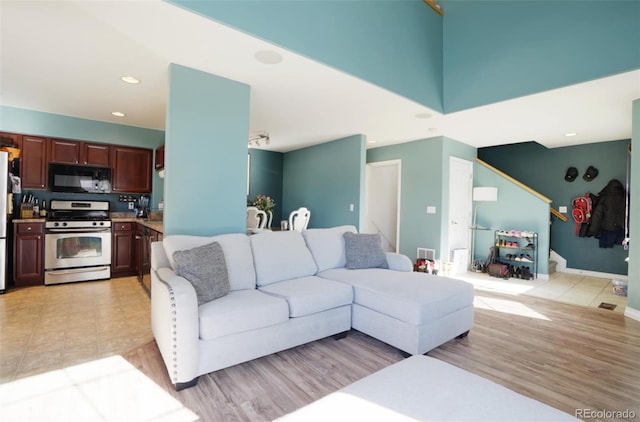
x=206 y=269
x=364 y=251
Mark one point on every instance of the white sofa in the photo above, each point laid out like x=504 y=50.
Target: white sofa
x=289 y=288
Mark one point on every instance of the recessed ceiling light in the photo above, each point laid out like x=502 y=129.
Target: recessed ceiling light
x=118 y=113
x=130 y=79
x=371 y=142
x=422 y=115
x=569 y=134
x=268 y=57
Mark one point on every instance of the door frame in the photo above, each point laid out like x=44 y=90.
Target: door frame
x=398 y=165
x=469 y=165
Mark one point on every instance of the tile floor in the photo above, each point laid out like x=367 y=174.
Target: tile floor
x=45 y=328
x=563 y=287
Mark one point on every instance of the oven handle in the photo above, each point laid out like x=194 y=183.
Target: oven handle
x=77 y=270
x=82 y=230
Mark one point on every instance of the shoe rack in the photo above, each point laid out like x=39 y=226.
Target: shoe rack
x=519 y=249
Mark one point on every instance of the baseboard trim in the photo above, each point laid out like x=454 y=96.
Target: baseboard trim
x=632 y=313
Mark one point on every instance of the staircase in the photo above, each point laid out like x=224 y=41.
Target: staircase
x=552 y=267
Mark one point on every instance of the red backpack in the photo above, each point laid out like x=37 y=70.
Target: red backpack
x=581 y=211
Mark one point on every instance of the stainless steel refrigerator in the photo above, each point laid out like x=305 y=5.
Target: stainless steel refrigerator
x=4 y=177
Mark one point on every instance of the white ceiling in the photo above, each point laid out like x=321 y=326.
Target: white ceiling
x=66 y=57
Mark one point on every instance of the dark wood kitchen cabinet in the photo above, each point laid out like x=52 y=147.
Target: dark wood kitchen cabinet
x=131 y=169
x=159 y=158
x=10 y=139
x=95 y=154
x=144 y=237
x=63 y=151
x=122 y=250
x=34 y=162
x=28 y=256
x=76 y=152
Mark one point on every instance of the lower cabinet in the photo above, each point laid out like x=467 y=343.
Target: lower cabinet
x=122 y=250
x=28 y=265
x=131 y=253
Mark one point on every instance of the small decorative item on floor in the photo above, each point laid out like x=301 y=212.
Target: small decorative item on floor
x=479 y=266
x=428 y=266
x=619 y=287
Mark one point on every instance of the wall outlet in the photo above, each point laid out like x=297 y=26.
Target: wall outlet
x=351 y=207
x=131 y=205
x=431 y=210
x=562 y=210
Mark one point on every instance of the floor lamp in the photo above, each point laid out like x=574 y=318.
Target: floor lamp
x=480 y=194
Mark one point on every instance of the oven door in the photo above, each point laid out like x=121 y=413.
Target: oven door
x=66 y=248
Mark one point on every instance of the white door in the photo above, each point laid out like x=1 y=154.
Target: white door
x=382 y=211
x=460 y=205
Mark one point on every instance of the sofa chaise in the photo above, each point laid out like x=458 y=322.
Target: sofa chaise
x=289 y=288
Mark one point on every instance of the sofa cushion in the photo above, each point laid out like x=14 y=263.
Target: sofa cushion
x=239 y=311
x=280 y=256
x=327 y=246
x=309 y=295
x=413 y=297
x=364 y=251
x=204 y=267
x=237 y=254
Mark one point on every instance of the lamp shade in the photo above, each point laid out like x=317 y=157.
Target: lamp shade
x=485 y=194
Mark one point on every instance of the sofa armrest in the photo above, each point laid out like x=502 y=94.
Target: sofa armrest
x=398 y=262
x=175 y=323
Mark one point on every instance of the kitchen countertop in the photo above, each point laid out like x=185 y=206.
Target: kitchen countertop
x=29 y=220
x=153 y=225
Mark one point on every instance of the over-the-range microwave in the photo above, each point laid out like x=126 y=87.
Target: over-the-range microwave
x=79 y=179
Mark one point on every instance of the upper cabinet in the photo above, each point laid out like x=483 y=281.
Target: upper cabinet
x=131 y=169
x=85 y=153
x=10 y=139
x=95 y=154
x=159 y=158
x=63 y=151
x=34 y=162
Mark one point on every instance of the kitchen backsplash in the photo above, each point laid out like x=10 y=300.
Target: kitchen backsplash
x=114 y=199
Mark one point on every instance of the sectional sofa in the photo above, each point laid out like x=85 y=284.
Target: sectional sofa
x=284 y=289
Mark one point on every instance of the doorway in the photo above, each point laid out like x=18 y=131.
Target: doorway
x=382 y=211
x=460 y=210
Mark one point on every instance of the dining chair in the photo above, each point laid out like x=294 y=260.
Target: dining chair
x=299 y=219
x=256 y=218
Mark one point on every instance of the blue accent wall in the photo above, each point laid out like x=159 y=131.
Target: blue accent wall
x=395 y=44
x=633 y=298
x=515 y=209
x=30 y=122
x=496 y=50
x=326 y=178
x=206 y=153
x=266 y=178
x=544 y=169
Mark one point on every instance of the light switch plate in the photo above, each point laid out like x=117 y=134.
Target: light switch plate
x=562 y=210
x=431 y=210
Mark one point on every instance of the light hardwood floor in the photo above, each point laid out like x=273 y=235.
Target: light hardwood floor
x=570 y=357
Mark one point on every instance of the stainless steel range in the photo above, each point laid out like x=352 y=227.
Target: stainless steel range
x=77 y=242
